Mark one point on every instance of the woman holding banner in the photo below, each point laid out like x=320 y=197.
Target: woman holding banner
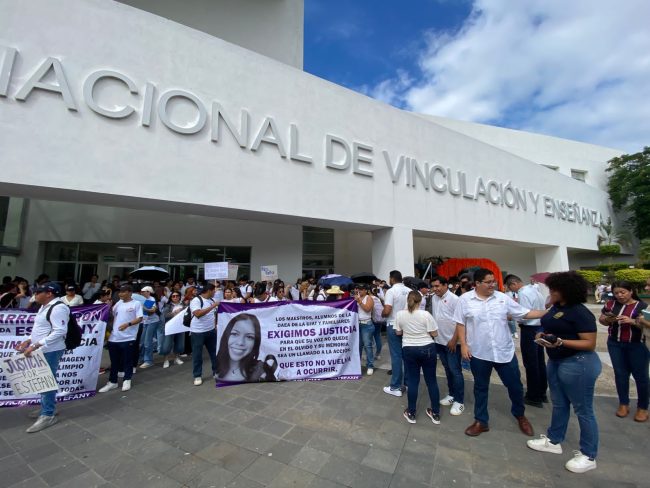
x=176 y=341
x=238 y=352
x=418 y=329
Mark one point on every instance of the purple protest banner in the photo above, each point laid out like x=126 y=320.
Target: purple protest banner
x=78 y=369
x=288 y=341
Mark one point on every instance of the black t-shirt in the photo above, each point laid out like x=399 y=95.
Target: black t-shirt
x=566 y=322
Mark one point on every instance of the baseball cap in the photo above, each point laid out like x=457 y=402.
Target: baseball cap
x=147 y=288
x=126 y=288
x=49 y=287
x=70 y=287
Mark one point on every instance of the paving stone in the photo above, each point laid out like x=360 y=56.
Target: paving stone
x=284 y=451
x=340 y=471
x=367 y=477
x=300 y=435
x=310 y=459
x=381 y=459
x=35 y=482
x=417 y=467
x=61 y=474
x=263 y=470
x=89 y=479
x=188 y=467
x=14 y=470
x=276 y=427
x=291 y=477
x=448 y=476
x=242 y=482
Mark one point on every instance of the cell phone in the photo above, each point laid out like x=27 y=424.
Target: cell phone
x=550 y=338
x=542 y=342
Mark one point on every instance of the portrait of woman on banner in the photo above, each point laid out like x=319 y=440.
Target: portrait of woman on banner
x=239 y=349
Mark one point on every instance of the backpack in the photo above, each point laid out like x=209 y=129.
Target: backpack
x=187 y=318
x=73 y=335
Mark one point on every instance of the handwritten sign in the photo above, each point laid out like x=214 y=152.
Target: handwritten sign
x=269 y=273
x=216 y=271
x=28 y=375
x=232 y=271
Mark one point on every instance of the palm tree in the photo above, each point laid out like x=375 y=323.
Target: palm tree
x=611 y=239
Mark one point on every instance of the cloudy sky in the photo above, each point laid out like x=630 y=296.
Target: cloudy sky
x=578 y=69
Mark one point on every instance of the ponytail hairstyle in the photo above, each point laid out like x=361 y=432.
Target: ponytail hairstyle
x=413 y=301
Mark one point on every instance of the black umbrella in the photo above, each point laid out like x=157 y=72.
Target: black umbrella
x=363 y=278
x=415 y=283
x=150 y=273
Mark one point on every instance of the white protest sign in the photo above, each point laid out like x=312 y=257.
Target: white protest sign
x=216 y=271
x=175 y=324
x=232 y=271
x=28 y=375
x=269 y=273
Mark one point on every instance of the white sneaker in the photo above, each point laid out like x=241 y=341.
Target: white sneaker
x=457 y=408
x=390 y=391
x=126 y=385
x=580 y=463
x=198 y=381
x=543 y=444
x=165 y=364
x=178 y=361
x=108 y=387
x=370 y=371
x=120 y=374
x=448 y=400
x=135 y=370
x=43 y=422
x=146 y=365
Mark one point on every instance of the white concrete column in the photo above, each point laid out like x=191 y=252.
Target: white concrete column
x=554 y=258
x=392 y=249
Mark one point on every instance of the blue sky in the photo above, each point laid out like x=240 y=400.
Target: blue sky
x=578 y=70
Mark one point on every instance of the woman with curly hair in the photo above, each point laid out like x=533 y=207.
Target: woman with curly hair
x=569 y=336
x=239 y=349
x=626 y=346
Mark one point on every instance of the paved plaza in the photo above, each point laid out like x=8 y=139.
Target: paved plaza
x=166 y=432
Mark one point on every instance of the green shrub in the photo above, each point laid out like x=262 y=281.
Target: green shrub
x=637 y=277
x=609 y=249
x=592 y=277
x=614 y=266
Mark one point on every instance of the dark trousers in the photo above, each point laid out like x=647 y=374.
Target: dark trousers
x=532 y=355
x=121 y=354
x=509 y=374
x=209 y=340
x=630 y=358
x=454 y=372
x=136 y=345
x=424 y=358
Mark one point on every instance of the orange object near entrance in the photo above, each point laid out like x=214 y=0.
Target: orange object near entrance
x=452 y=266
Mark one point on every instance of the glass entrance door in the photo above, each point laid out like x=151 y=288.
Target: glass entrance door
x=121 y=270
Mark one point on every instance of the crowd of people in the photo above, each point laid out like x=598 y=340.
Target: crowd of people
x=462 y=319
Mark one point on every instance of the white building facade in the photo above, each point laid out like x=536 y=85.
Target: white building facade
x=130 y=137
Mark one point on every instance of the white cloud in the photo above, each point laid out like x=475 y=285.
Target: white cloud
x=578 y=69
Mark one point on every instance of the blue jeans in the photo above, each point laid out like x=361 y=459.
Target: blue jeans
x=209 y=340
x=377 y=336
x=453 y=370
x=48 y=399
x=146 y=344
x=509 y=374
x=571 y=382
x=121 y=354
x=175 y=342
x=395 y=347
x=160 y=335
x=630 y=358
x=367 y=332
x=416 y=358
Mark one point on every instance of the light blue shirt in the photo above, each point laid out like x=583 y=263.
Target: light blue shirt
x=529 y=297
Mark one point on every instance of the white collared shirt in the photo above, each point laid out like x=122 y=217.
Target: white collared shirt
x=443 y=309
x=486 y=324
x=396 y=297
